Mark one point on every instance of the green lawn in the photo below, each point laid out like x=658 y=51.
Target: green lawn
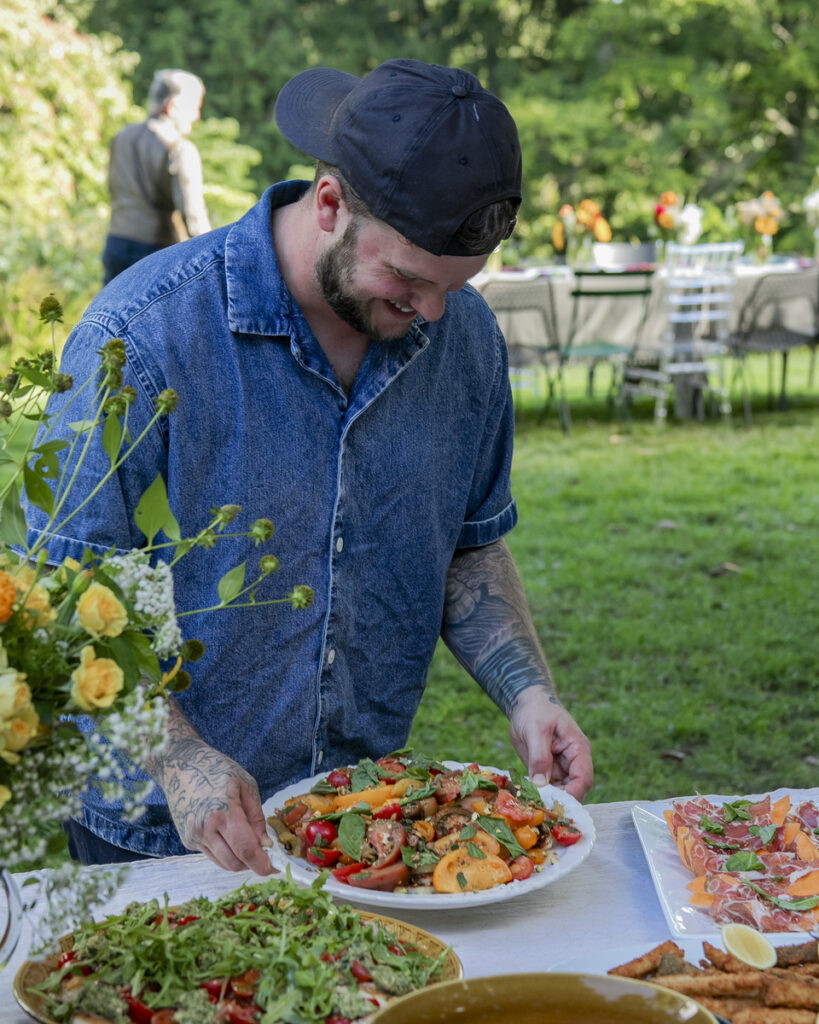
x=673 y=577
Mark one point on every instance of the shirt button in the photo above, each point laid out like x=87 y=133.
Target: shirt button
x=339 y=544
x=331 y=656
x=319 y=757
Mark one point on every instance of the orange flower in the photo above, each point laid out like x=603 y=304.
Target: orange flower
x=664 y=218
x=602 y=231
x=766 y=225
x=668 y=198
x=8 y=593
x=566 y=210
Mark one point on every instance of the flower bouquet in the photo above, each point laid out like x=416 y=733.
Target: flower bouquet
x=88 y=650
x=763 y=214
x=678 y=220
x=576 y=229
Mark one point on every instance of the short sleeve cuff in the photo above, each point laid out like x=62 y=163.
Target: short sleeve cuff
x=485 y=531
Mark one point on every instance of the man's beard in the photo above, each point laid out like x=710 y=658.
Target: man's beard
x=334 y=268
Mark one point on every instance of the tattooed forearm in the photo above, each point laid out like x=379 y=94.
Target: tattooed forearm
x=196 y=779
x=488 y=627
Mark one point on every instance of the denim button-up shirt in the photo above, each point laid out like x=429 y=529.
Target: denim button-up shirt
x=370 y=495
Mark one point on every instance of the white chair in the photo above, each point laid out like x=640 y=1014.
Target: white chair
x=623 y=255
x=699 y=288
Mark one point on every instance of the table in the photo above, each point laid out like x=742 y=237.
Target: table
x=608 y=901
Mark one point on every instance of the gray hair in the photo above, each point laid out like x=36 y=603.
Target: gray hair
x=171 y=82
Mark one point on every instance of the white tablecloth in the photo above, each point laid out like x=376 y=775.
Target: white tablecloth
x=608 y=901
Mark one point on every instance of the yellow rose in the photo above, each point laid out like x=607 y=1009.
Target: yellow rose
x=5 y=795
x=20 y=729
x=96 y=682
x=14 y=692
x=101 y=612
x=37 y=602
x=602 y=230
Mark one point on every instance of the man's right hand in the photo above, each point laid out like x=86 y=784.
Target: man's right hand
x=213 y=801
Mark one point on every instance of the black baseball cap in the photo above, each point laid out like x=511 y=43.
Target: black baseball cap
x=425 y=146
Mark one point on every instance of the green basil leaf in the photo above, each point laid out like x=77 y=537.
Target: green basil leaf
x=710 y=825
x=500 y=830
x=807 y=903
x=468 y=832
x=746 y=860
x=470 y=782
x=765 y=832
x=365 y=775
x=461 y=877
x=475 y=851
x=351 y=830
x=737 y=811
x=720 y=846
x=323 y=788
x=528 y=790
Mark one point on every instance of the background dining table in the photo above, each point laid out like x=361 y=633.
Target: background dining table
x=607 y=901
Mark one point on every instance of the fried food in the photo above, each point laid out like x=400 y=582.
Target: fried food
x=723 y=984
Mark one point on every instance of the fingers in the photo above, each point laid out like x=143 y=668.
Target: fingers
x=553 y=748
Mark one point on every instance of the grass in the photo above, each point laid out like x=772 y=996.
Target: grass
x=673 y=581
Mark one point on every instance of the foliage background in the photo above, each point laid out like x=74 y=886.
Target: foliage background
x=619 y=101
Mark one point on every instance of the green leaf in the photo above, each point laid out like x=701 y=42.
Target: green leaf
x=720 y=846
x=746 y=860
x=38 y=491
x=37 y=377
x=12 y=521
x=737 y=811
x=710 y=825
x=153 y=513
x=323 y=787
x=500 y=830
x=230 y=585
x=765 y=832
x=468 y=832
x=82 y=426
x=475 y=851
x=528 y=790
x=807 y=903
x=112 y=437
x=469 y=783
x=461 y=877
x=365 y=774
x=351 y=831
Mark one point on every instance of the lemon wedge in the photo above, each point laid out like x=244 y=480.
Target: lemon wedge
x=748 y=945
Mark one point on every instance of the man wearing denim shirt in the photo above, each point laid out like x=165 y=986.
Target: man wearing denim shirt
x=336 y=374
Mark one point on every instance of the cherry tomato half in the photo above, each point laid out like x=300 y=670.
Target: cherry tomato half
x=320 y=833
x=137 y=1010
x=388 y=810
x=391 y=764
x=521 y=867
x=343 y=872
x=565 y=834
x=245 y=984
x=359 y=971
x=511 y=808
x=386 y=837
x=386 y=879
x=340 y=778
x=322 y=856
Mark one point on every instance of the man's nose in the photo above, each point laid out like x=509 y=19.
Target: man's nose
x=429 y=301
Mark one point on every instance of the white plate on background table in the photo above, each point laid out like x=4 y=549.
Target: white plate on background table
x=569 y=857
x=671 y=876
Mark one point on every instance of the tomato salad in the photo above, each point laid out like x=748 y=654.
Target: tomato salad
x=408 y=823
x=268 y=952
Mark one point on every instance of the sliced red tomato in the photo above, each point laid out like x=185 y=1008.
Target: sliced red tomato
x=294 y=814
x=66 y=957
x=360 y=972
x=511 y=808
x=521 y=867
x=386 y=879
x=137 y=1010
x=340 y=778
x=185 y=920
x=391 y=764
x=388 y=810
x=565 y=834
x=215 y=988
x=336 y=1018
x=232 y=1012
x=343 y=872
x=320 y=833
x=322 y=856
x=448 y=787
x=386 y=837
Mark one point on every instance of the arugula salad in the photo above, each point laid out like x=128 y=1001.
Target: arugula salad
x=265 y=953
x=407 y=823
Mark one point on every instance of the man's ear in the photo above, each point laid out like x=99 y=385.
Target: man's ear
x=331 y=210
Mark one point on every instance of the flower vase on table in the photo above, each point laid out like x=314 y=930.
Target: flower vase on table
x=11 y=917
x=764 y=248
x=580 y=251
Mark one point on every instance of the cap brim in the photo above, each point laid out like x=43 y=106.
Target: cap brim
x=305 y=107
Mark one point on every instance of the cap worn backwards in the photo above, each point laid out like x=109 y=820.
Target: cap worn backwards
x=425 y=146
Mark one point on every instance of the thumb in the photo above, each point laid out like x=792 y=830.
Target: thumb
x=539 y=755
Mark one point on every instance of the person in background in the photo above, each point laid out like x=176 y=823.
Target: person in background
x=155 y=175
x=337 y=373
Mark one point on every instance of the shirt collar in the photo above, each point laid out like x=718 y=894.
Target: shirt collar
x=257 y=297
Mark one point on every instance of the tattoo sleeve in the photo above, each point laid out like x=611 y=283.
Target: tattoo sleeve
x=488 y=627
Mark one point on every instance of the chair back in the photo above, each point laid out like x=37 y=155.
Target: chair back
x=699 y=290
x=782 y=309
x=623 y=255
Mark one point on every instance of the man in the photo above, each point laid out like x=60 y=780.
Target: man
x=336 y=374
x=155 y=175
